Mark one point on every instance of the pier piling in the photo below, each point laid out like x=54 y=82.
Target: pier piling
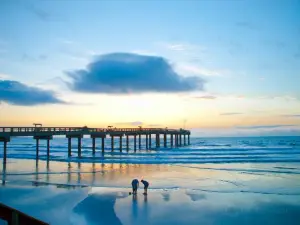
x=112 y=143
x=94 y=145
x=135 y=143
x=120 y=143
x=157 y=141
x=69 y=147
x=4 y=151
x=79 y=147
x=37 y=148
x=127 y=143
x=102 y=144
x=180 y=137
x=48 y=148
x=140 y=144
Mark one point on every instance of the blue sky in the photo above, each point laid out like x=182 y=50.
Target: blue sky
x=244 y=51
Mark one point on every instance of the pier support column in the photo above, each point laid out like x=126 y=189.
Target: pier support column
x=102 y=144
x=112 y=143
x=165 y=140
x=127 y=143
x=37 y=148
x=4 y=151
x=146 y=141
x=134 y=143
x=48 y=148
x=140 y=144
x=176 y=140
x=157 y=141
x=120 y=143
x=150 y=141
x=189 y=139
x=180 y=140
x=69 y=147
x=79 y=147
x=171 y=140
x=94 y=145
x=184 y=140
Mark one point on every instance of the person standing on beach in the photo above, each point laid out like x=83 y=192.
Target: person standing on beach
x=135 y=185
x=146 y=185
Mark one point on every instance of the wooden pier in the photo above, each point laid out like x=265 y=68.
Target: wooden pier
x=177 y=137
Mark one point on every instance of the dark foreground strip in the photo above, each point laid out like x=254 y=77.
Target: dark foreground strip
x=15 y=217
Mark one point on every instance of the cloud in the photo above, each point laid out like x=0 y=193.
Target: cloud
x=123 y=73
x=246 y=24
x=134 y=123
x=230 y=114
x=4 y=76
x=154 y=125
x=264 y=126
x=292 y=115
x=206 y=97
x=26 y=57
x=38 y=12
x=196 y=70
x=75 y=50
x=181 y=46
x=16 y=93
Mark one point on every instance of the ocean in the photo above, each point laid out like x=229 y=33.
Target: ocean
x=242 y=180
x=201 y=150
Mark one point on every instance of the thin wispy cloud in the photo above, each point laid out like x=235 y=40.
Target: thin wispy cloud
x=264 y=126
x=197 y=70
x=134 y=123
x=4 y=76
x=16 y=93
x=154 y=125
x=231 y=114
x=27 y=57
x=42 y=13
x=38 y=12
x=75 y=50
x=177 y=46
x=124 y=73
x=206 y=97
x=246 y=24
x=292 y=115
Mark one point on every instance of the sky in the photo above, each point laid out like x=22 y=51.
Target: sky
x=219 y=68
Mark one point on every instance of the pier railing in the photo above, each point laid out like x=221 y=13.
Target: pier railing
x=82 y=129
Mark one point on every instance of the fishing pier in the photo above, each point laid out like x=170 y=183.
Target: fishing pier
x=178 y=137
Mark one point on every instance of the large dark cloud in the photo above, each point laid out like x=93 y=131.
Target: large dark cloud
x=16 y=93
x=121 y=73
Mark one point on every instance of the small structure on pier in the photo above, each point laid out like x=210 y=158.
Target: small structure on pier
x=46 y=133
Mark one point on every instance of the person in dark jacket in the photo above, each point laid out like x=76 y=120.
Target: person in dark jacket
x=146 y=185
x=135 y=185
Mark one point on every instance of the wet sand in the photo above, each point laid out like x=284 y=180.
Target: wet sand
x=91 y=193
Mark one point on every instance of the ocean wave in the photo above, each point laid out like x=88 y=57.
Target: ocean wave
x=146 y=160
